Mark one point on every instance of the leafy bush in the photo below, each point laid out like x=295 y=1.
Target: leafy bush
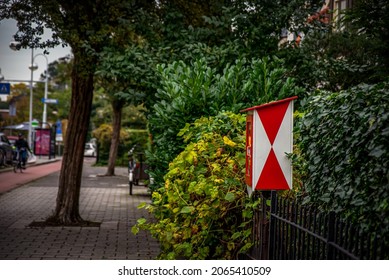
x=203 y=210
x=189 y=92
x=344 y=140
x=128 y=138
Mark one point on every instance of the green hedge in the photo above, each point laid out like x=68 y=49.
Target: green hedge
x=191 y=91
x=344 y=141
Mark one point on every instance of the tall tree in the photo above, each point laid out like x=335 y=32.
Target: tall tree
x=125 y=68
x=86 y=26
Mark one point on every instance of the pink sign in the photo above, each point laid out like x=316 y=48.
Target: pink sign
x=42 y=142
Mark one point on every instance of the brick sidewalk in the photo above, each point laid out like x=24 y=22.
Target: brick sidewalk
x=103 y=199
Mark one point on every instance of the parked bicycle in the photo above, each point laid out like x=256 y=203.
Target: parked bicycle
x=136 y=171
x=131 y=171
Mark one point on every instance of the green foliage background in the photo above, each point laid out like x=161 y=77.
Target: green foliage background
x=344 y=142
x=128 y=138
x=190 y=91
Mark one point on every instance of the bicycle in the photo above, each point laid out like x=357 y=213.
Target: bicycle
x=18 y=162
x=131 y=171
x=130 y=179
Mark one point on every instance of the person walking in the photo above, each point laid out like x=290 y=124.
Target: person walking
x=22 y=148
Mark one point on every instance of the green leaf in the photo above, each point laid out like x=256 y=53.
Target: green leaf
x=231 y=245
x=187 y=209
x=230 y=197
x=135 y=229
x=142 y=205
x=141 y=221
x=236 y=235
x=377 y=152
x=245 y=247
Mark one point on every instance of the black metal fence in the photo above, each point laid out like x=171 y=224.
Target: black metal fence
x=291 y=231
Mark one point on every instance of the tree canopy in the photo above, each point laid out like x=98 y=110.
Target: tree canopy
x=86 y=27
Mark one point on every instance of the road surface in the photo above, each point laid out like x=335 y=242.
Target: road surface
x=10 y=180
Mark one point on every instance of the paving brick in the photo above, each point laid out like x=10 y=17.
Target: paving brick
x=103 y=199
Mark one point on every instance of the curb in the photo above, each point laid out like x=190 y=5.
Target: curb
x=37 y=163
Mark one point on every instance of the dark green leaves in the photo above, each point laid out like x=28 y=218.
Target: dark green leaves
x=345 y=143
x=191 y=91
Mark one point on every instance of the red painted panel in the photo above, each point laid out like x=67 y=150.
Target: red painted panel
x=249 y=149
x=271 y=118
x=272 y=177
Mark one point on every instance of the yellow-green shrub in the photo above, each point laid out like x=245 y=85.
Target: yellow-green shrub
x=203 y=210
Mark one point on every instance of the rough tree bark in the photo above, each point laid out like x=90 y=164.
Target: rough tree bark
x=67 y=208
x=117 y=108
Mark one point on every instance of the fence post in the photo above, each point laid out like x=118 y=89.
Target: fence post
x=330 y=235
x=272 y=228
x=264 y=226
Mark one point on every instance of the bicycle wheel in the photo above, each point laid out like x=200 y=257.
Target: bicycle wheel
x=130 y=180
x=130 y=185
x=18 y=165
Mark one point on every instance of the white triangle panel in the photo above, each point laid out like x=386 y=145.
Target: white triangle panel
x=261 y=148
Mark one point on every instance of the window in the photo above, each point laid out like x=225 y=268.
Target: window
x=337 y=7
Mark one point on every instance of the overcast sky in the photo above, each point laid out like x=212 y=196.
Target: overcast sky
x=14 y=64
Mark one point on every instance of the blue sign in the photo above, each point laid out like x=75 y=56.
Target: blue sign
x=59 y=127
x=58 y=135
x=5 y=88
x=49 y=101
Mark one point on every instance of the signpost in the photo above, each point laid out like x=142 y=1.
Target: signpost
x=269 y=140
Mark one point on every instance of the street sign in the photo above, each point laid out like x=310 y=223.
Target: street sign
x=58 y=135
x=5 y=88
x=269 y=139
x=49 y=101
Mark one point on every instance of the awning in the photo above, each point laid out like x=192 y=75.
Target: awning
x=22 y=126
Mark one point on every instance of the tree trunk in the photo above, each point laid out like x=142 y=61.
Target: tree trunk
x=67 y=208
x=117 y=108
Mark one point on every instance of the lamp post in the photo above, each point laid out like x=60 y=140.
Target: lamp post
x=16 y=46
x=31 y=91
x=44 y=115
